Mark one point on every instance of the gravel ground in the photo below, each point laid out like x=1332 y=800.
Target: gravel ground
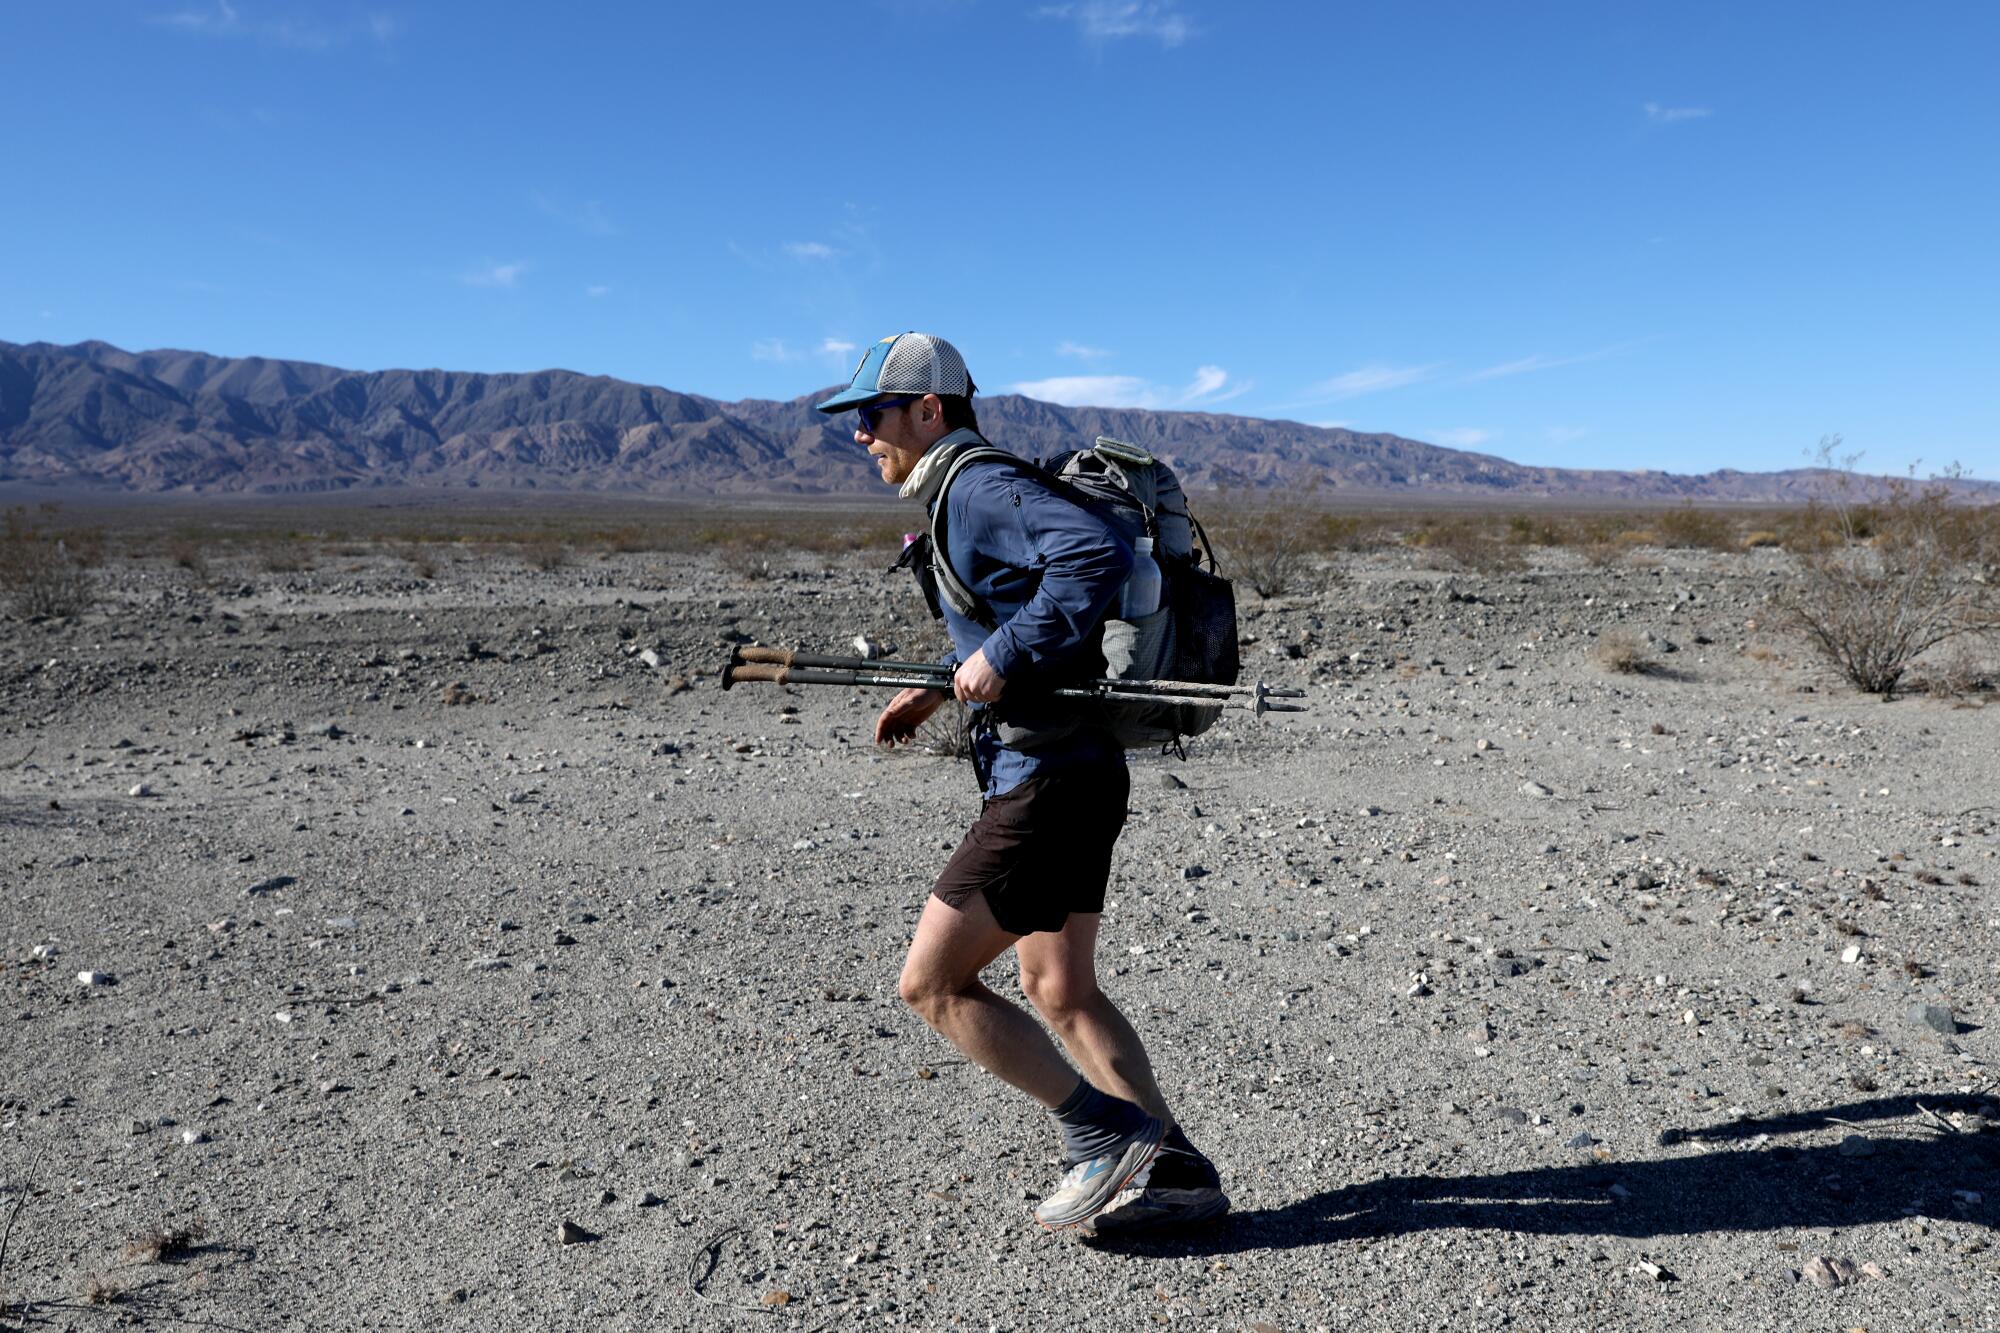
x=423 y=917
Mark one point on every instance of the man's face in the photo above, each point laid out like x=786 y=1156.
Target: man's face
x=897 y=441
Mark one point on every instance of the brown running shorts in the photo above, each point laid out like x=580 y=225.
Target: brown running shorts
x=1041 y=850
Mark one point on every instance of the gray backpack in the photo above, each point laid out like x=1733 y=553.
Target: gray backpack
x=1192 y=636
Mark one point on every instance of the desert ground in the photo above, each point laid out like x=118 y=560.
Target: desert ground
x=432 y=948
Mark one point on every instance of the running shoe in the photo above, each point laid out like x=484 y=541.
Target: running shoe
x=1181 y=1189
x=1089 y=1186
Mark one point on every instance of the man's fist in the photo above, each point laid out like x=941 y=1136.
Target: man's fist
x=976 y=682
x=905 y=713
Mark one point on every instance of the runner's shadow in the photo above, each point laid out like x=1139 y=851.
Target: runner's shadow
x=1756 y=1188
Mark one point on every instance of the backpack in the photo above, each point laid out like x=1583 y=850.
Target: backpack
x=1191 y=637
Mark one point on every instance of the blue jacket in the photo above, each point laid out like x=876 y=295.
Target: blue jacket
x=1048 y=568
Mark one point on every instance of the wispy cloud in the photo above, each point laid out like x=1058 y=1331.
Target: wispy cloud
x=1463 y=437
x=810 y=250
x=1567 y=434
x=1111 y=20
x=490 y=274
x=1670 y=115
x=773 y=349
x=1078 y=352
x=588 y=217
x=1368 y=379
x=596 y=290
x=224 y=19
x=1210 y=386
x=835 y=347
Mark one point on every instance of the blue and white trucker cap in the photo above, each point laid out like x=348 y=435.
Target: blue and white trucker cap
x=907 y=363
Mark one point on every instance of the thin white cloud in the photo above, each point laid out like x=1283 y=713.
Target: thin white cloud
x=1539 y=362
x=1089 y=390
x=809 y=250
x=596 y=290
x=1567 y=434
x=491 y=274
x=1113 y=20
x=1332 y=425
x=772 y=349
x=1209 y=386
x=1463 y=437
x=588 y=217
x=1078 y=352
x=1368 y=379
x=224 y=19
x=1670 y=115
x=835 y=347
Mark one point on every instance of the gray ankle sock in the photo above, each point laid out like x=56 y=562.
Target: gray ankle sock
x=1094 y=1123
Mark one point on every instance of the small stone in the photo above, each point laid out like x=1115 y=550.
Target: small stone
x=805 y=845
x=271 y=885
x=1874 y=1270
x=1513 y=1115
x=140 y=789
x=648 y=1199
x=193 y=1136
x=1936 y=1017
x=1536 y=789
x=1583 y=1141
x=1172 y=783
x=605 y=1198
x=94 y=979
x=1194 y=872
x=1822 y=1272
x=488 y=965
x=569 y=1233
x=650 y=658
x=562 y=938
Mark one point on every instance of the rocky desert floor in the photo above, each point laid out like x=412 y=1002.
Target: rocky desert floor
x=386 y=952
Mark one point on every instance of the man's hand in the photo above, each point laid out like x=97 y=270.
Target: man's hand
x=905 y=713
x=976 y=682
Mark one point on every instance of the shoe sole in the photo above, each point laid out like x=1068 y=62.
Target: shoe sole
x=1110 y=1193
x=1158 y=1210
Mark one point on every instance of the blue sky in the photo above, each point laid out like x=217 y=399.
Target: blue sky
x=1678 y=236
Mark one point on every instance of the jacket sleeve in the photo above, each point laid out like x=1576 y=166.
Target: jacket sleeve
x=1083 y=561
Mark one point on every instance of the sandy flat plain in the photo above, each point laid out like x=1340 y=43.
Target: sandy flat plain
x=1505 y=990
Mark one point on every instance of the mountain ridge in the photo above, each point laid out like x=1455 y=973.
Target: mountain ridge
x=169 y=420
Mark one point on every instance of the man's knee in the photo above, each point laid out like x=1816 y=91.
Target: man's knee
x=924 y=992
x=1059 y=995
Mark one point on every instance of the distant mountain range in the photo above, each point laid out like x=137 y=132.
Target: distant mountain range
x=167 y=421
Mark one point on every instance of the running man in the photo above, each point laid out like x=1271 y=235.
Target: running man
x=1031 y=872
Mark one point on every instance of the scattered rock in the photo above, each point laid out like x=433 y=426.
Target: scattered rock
x=1936 y=1017
x=569 y=1233
x=1851 y=954
x=140 y=789
x=1513 y=1115
x=1536 y=789
x=488 y=965
x=650 y=658
x=1826 y=1273
x=271 y=885
x=1172 y=783
x=95 y=979
x=190 y=1137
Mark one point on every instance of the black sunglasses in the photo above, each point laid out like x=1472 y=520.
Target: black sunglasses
x=872 y=413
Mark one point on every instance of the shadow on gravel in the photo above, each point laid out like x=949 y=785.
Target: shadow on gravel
x=1758 y=1188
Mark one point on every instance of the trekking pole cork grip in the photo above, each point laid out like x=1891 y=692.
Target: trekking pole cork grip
x=736 y=673
x=769 y=656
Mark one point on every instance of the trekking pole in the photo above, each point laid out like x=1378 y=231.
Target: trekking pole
x=1151 y=688
x=745 y=668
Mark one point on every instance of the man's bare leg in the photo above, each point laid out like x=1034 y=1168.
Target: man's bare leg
x=941 y=982
x=1059 y=975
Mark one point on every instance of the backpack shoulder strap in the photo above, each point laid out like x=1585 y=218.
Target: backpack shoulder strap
x=951 y=587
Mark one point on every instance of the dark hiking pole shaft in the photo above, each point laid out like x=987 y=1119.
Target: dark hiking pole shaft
x=1108 y=692
x=789 y=658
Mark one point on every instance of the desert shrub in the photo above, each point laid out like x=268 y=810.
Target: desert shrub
x=1622 y=651
x=1267 y=540
x=288 y=554
x=543 y=553
x=1761 y=538
x=1872 y=606
x=184 y=550
x=947 y=732
x=421 y=559
x=1468 y=544
x=39 y=575
x=1706 y=529
x=748 y=559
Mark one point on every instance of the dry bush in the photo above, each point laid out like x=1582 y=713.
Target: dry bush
x=39 y=576
x=1266 y=540
x=1469 y=544
x=421 y=559
x=748 y=559
x=545 y=554
x=1705 y=529
x=1622 y=651
x=1925 y=577
x=184 y=550
x=1760 y=539
x=289 y=554
x=947 y=733
x=167 y=1242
